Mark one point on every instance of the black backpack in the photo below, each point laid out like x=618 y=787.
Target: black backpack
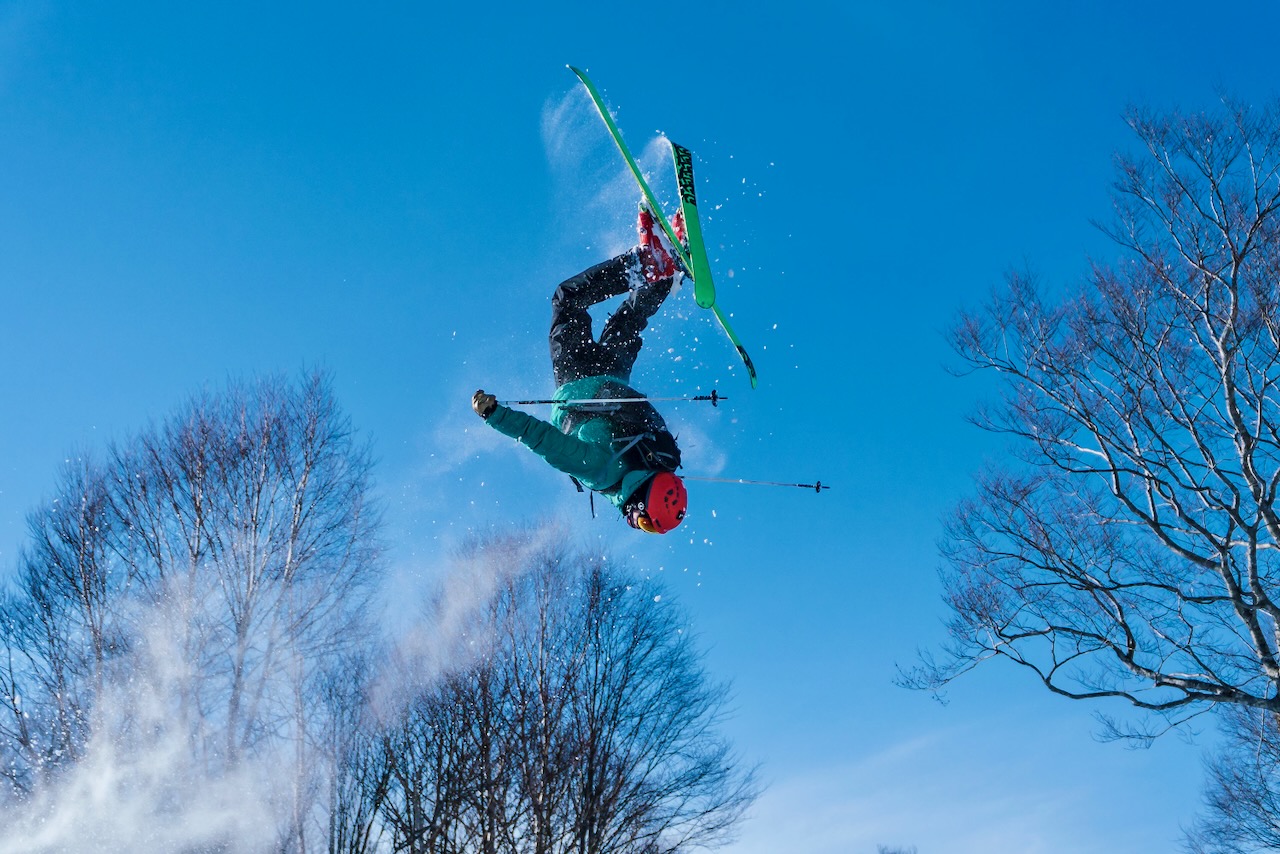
x=655 y=450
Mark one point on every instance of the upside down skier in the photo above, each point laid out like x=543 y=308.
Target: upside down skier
x=624 y=451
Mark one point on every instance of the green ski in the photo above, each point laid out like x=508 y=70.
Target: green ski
x=704 y=289
x=694 y=257
x=654 y=207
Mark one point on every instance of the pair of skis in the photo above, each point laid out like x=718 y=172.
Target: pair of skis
x=694 y=255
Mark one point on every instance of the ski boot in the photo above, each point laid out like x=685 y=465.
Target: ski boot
x=657 y=260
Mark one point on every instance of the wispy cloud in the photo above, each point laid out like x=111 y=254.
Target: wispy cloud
x=939 y=793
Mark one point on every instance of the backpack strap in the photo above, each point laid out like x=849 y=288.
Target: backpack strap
x=591 y=494
x=631 y=442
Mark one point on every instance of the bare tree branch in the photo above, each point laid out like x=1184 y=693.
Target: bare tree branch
x=1130 y=552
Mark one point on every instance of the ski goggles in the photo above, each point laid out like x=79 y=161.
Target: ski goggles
x=639 y=519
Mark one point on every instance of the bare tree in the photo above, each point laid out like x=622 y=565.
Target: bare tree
x=542 y=647
x=242 y=525
x=57 y=627
x=350 y=741
x=1243 y=795
x=1131 y=552
x=585 y=724
x=649 y=771
x=429 y=772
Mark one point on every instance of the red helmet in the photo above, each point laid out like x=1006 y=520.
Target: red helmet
x=663 y=505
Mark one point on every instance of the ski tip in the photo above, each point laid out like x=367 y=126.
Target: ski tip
x=751 y=368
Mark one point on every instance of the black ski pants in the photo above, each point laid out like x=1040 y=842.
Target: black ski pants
x=575 y=352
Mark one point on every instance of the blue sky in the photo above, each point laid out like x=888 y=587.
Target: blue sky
x=188 y=195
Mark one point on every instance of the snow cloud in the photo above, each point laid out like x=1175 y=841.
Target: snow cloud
x=139 y=786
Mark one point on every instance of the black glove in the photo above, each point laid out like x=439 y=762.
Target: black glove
x=483 y=404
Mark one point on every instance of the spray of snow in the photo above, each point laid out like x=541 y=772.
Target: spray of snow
x=150 y=778
x=449 y=636
x=592 y=180
x=140 y=785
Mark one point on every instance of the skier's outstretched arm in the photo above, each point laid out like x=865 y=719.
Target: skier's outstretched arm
x=569 y=454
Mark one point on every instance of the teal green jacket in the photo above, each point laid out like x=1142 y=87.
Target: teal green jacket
x=586 y=450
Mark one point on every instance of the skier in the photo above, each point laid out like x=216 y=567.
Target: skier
x=621 y=450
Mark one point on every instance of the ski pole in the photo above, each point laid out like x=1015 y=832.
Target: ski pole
x=714 y=397
x=816 y=487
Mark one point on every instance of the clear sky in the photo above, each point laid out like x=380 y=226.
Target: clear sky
x=190 y=194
